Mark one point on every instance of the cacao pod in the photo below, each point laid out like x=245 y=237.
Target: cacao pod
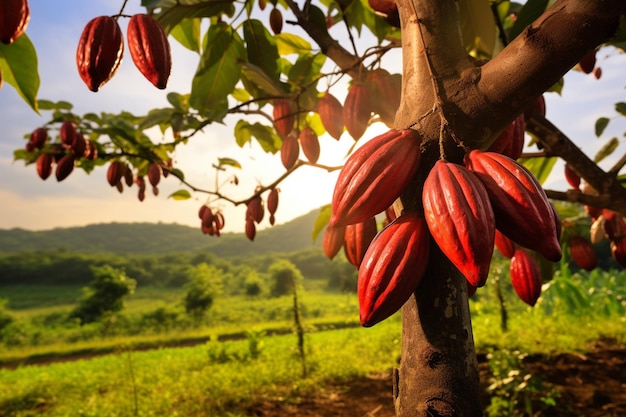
x=276 y=21
x=537 y=109
x=14 y=18
x=572 y=178
x=68 y=133
x=128 y=175
x=588 y=62
x=255 y=210
x=614 y=224
x=357 y=238
x=310 y=144
x=100 y=51
x=460 y=219
x=357 y=109
x=149 y=49
x=91 y=151
x=525 y=277
x=375 y=175
x=154 y=174
x=39 y=137
x=272 y=201
x=202 y=211
x=141 y=188
x=392 y=268
x=511 y=141
x=65 y=166
x=331 y=115
x=582 y=253
x=504 y=245
x=289 y=151
x=114 y=173
x=618 y=251
x=332 y=241
x=521 y=207
x=219 y=221
x=79 y=146
x=44 y=165
x=385 y=94
x=596 y=231
x=284 y=113
x=250 y=229
x=207 y=220
x=597 y=73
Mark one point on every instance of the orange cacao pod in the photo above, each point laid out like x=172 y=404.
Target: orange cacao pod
x=272 y=201
x=521 y=207
x=504 y=245
x=375 y=175
x=276 y=21
x=511 y=140
x=357 y=238
x=114 y=173
x=65 y=166
x=572 y=178
x=525 y=277
x=149 y=49
x=39 y=137
x=582 y=253
x=460 y=219
x=100 y=51
x=154 y=174
x=331 y=114
x=332 y=241
x=357 y=109
x=618 y=251
x=44 y=165
x=310 y=144
x=289 y=151
x=14 y=18
x=392 y=268
x=284 y=113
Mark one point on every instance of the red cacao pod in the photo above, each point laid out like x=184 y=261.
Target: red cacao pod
x=331 y=115
x=91 y=151
x=289 y=151
x=521 y=207
x=375 y=175
x=272 y=200
x=588 y=62
x=202 y=211
x=357 y=238
x=114 y=173
x=618 y=251
x=511 y=140
x=127 y=174
x=250 y=229
x=100 y=51
x=333 y=239
x=392 y=268
x=149 y=49
x=14 y=18
x=310 y=144
x=276 y=21
x=582 y=253
x=525 y=277
x=44 y=165
x=141 y=188
x=572 y=178
x=614 y=225
x=537 y=109
x=255 y=210
x=207 y=220
x=39 y=137
x=597 y=73
x=284 y=113
x=65 y=166
x=460 y=219
x=504 y=245
x=79 y=146
x=357 y=109
x=387 y=9
x=68 y=133
x=154 y=174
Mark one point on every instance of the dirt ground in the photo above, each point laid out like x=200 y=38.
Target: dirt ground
x=590 y=385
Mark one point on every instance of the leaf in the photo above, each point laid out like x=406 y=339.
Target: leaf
x=540 y=167
x=557 y=87
x=179 y=101
x=18 y=65
x=601 y=124
x=529 y=13
x=606 y=150
x=229 y=162
x=261 y=47
x=265 y=135
x=180 y=195
x=171 y=16
x=621 y=108
x=288 y=43
x=219 y=69
x=260 y=80
x=477 y=27
x=306 y=68
x=241 y=95
x=321 y=221
x=187 y=33
x=156 y=117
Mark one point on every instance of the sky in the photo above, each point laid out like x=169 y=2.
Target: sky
x=31 y=203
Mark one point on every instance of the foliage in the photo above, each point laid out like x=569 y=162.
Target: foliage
x=283 y=277
x=205 y=284
x=104 y=295
x=5 y=317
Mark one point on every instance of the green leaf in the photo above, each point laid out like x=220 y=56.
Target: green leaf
x=229 y=162
x=265 y=135
x=219 y=68
x=606 y=150
x=180 y=195
x=306 y=68
x=64 y=105
x=18 y=65
x=187 y=33
x=288 y=43
x=261 y=47
x=241 y=95
x=557 y=87
x=46 y=105
x=259 y=80
x=156 y=117
x=321 y=221
x=179 y=101
x=621 y=108
x=173 y=15
x=529 y=13
x=477 y=27
x=540 y=167
x=601 y=124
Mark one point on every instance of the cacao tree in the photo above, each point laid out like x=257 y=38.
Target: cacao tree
x=472 y=79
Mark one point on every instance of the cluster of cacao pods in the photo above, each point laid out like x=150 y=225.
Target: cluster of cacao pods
x=211 y=221
x=71 y=147
x=101 y=49
x=14 y=18
x=119 y=173
x=610 y=225
x=255 y=211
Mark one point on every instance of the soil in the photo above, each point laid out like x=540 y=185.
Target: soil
x=589 y=385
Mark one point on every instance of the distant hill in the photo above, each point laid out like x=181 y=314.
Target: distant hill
x=158 y=238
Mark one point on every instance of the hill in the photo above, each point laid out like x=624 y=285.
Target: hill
x=159 y=238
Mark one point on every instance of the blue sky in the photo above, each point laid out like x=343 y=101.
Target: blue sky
x=30 y=203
